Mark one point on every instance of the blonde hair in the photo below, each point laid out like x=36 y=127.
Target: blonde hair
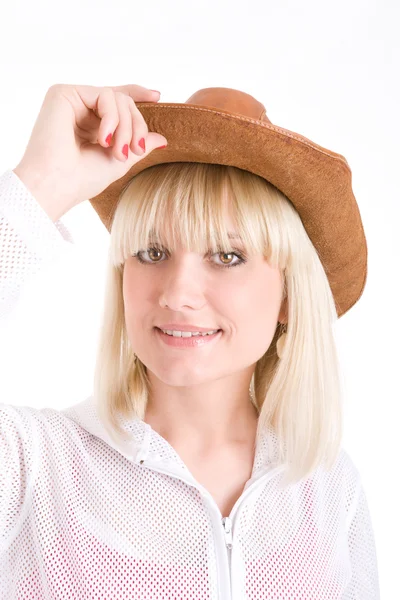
x=299 y=395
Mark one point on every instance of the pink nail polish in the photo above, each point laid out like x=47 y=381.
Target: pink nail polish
x=142 y=144
x=125 y=150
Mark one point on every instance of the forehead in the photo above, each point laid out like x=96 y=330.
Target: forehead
x=232 y=235
x=228 y=221
x=167 y=228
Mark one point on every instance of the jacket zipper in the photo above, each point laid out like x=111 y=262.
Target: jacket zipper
x=227 y=522
x=227 y=525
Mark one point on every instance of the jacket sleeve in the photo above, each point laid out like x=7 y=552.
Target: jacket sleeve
x=364 y=583
x=18 y=462
x=28 y=239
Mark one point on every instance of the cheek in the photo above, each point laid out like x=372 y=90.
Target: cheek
x=257 y=305
x=132 y=297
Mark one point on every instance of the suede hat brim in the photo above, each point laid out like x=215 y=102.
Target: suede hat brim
x=317 y=181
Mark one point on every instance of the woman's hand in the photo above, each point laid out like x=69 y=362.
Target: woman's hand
x=68 y=159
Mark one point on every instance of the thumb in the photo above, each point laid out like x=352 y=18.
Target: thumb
x=154 y=140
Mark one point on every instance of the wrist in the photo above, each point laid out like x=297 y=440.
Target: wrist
x=42 y=188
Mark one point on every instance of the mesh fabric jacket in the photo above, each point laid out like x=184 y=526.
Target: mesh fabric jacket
x=82 y=518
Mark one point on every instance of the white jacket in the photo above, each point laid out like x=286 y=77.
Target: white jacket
x=81 y=518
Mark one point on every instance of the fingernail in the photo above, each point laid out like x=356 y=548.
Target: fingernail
x=125 y=150
x=108 y=139
x=142 y=144
x=158 y=147
x=156 y=91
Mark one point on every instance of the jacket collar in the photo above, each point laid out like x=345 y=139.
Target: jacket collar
x=147 y=444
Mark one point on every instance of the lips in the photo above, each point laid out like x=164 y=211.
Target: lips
x=186 y=327
x=201 y=333
x=192 y=341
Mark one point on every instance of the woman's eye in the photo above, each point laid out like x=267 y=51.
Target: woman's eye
x=151 y=251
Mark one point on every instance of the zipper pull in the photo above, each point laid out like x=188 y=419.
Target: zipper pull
x=227 y=525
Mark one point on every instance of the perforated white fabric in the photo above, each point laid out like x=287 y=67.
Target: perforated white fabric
x=81 y=518
x=28 y=238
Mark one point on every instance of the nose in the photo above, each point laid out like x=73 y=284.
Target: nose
x=183 y=283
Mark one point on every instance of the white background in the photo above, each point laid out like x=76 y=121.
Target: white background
x=329 y=71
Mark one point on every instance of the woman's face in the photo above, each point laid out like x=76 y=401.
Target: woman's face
x=183 y=287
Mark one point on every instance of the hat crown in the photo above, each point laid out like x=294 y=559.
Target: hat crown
x=227 y=99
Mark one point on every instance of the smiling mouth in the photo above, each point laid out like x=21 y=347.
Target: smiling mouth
x=194 y=334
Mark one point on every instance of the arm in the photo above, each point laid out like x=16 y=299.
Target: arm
x=364 y=583
x=29 y=237
x=18 y=460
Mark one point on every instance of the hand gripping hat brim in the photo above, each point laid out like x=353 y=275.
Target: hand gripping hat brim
x=230 y=127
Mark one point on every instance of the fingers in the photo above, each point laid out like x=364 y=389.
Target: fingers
x=121 y=117
x=121 y=129
x=107 y=110
x=118 y=114
x=128 y=130
x=140 y=129
x=138 y=93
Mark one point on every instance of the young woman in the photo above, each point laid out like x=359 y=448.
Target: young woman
x=208 y=461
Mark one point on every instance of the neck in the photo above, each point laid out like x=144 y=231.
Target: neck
x=207 y=416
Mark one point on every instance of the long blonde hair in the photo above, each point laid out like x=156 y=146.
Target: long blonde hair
x=299 y=395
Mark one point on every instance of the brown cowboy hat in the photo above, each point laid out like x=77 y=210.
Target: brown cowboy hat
x=229 y=127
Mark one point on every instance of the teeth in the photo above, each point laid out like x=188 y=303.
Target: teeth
x=187 y=333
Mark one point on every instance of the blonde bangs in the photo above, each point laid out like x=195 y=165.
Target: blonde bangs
x=186 y=204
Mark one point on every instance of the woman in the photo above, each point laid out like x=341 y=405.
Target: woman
x=203 y=466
